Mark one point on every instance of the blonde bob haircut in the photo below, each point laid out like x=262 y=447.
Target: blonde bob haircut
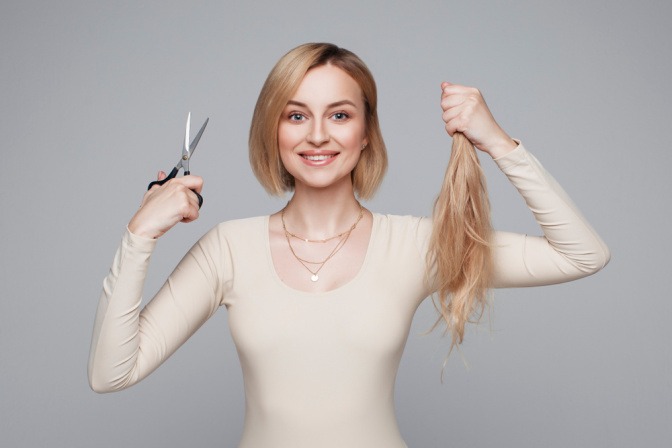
x=281 y=83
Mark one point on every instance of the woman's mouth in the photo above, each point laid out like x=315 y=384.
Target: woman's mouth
x=318 y=158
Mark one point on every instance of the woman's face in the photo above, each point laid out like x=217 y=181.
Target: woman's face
x=322 y=129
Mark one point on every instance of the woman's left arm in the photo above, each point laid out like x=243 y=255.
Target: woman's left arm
x=570 y=248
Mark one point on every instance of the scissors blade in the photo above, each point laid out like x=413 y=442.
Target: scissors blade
x=185 y=147
x=196 y=139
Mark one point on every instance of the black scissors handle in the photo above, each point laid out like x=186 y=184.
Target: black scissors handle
x=172 y=175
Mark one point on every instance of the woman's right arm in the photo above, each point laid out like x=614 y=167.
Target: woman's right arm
x=129 y=343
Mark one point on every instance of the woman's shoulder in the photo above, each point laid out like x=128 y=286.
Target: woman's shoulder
x=395 y=224
x=403 y=235
x=242 y=224
x=400 y=220
x=236 y=229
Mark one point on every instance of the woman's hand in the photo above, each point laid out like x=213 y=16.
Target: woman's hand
x=164 y=206
x=465 y=111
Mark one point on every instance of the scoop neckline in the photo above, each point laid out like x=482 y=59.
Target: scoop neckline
x=269 y=261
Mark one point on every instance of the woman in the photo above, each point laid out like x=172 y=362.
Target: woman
x=321 y=294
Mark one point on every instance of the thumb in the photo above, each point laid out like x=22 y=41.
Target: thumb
x=445 y=84
x=161 y=175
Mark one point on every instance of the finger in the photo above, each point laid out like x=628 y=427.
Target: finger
x=464 y=108
x=159 y=177
x=450 y=115
x=451 y=127
x=454 y=126
x=444 y=85
x=454 y=89
x=451 y=86
x=191 y=182
x=191 y=196
x=181 y=200
x=448 y=88
x=452 y=101
x=191 y=212
x=199 y=199
x=456 y=122
x=467 y=105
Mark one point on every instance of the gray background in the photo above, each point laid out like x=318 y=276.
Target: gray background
x=94 y=98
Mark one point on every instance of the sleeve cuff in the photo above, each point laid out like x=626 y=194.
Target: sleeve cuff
x=138 y=242
x=512 y=158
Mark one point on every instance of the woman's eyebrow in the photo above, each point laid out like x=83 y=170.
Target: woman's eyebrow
x=336 y=104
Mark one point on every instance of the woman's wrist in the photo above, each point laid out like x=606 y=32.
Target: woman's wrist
x=136 y=228
x=502 y=147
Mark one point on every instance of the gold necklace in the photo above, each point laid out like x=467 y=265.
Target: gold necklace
x=343 y=239
x=325 y=240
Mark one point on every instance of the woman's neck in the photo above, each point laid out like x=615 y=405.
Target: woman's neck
x=321 y=213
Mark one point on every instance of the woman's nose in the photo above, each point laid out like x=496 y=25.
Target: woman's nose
x=318 y=134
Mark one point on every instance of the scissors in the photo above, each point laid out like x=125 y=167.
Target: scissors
x=187 y=152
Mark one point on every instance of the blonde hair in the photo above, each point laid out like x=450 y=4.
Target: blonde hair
x=280 y=85
x=459 y=251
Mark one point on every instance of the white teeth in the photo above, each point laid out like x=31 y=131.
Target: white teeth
x=319 y=157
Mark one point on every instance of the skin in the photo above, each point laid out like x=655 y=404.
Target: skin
x=164 y=206
x=465 y=111
x=324 y=118
x=324 y=121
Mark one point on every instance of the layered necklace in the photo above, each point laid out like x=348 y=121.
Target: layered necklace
x=318 y=265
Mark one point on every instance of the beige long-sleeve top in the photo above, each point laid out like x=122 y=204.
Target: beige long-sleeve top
x=319 y=369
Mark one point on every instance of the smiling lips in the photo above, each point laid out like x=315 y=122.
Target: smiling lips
x=321 y=157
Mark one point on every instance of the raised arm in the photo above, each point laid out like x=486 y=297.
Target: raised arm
x=129 y=343
x=570 y=248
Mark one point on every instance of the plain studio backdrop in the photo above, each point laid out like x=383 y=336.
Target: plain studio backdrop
x=94 y=99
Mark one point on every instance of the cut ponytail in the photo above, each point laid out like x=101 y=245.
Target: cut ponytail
x=460 y=251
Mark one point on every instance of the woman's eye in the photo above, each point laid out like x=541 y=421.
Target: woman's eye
x=340 y=116
x=296 y=117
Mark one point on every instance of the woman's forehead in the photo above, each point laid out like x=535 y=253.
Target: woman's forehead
x=328 y=84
